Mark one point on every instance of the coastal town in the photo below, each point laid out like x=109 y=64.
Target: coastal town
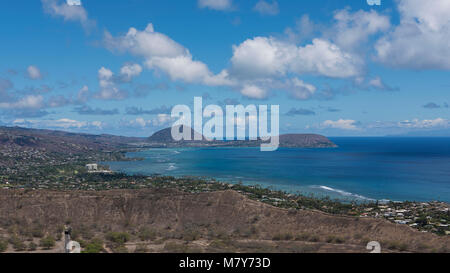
x=431 y=217
x=42 y=166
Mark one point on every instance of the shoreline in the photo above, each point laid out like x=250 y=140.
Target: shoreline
x=321 y=189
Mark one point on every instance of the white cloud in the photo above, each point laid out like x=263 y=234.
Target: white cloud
x=34 y=73
x=425 y=124
x=57 y=101
x=352 y=30
x=159 y=121
x=164 y=54
x=379 y=84
x=301 y=90
x=74 y=2
x=420 y=41
x=69 y=11
x=266 y=8
x=83 y=94
x=162 y=119
x=28 y=102
x=303 y=29
x=274 y=63
x=64 y=123
x=261 y=57
x=327 y=59
x=130 y=71
x=268 y=57
x=216 y=4
x=108 y=88
x=344 y=124
x=254 y=92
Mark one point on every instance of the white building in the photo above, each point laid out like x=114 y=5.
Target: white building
x=91 y=167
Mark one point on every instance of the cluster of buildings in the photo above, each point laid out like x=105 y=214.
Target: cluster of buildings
x=425 y=216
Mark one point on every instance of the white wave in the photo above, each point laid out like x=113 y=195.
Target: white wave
x=344 y=193
x=172 y=166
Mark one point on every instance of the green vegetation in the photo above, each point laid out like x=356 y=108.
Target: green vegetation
x=17 y=243
x=32 y=246
x=118 y=238
x=3 y=246
x=94 y=246
x=146 y=234
x=47 y=242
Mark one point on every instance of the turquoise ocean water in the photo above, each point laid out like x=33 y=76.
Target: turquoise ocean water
x=398 y=169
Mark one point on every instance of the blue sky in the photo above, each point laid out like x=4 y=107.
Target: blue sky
x=339 y=68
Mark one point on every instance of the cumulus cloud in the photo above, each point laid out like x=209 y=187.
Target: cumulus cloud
x=420 y=41
x=58 y=101
x=261 y=64
x=352 y=30
x=304 y=29
x=254 y=92
x=301 y=90
x=70 y=10
x=216 y=4
x=344 y=124
x=269 y=57
x=378 y=84
x=108 y=87
x=129 y=71
x=34 y=73
x=164 y=54
x=83 y=94
x=267 y=8
x=27 y=102
x=159 y=121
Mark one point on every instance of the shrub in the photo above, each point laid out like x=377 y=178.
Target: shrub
x=397 y=246
x=146 y=234
x=330 y=239
x=191 y=236
x=118 y=237
x=37 y=232
x=32 y=246
x=302 y=237
x=314 y=238
x=276 y=237
x=17 y=243
x=94 y=246
x=120 y=249
x=3 y=246
x=339 y=240
x=282 y=237
x=335 y=240
x=47 y=242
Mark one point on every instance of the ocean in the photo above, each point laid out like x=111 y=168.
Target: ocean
x=360 y=169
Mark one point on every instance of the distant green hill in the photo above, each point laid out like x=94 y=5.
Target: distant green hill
x=164 y=138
